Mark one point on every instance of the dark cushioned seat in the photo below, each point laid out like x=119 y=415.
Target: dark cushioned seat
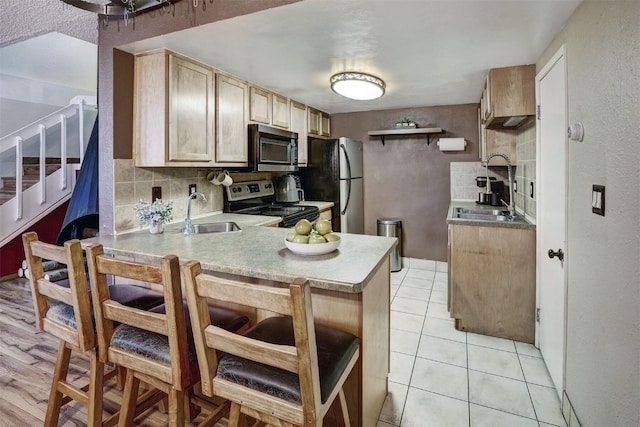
x=335 y=348
x=129 y=295
x=156 y=346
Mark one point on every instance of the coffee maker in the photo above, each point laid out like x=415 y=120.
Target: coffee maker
x=494 y=191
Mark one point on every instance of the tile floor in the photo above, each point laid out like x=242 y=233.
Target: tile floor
x=443 y=377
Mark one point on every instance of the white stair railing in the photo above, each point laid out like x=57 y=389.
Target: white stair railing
x=30 y=205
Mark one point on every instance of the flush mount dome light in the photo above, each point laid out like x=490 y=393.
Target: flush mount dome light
x=358 y=86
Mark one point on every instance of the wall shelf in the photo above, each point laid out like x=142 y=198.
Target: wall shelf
x=405 y=131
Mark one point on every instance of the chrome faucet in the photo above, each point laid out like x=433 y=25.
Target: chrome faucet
x=512 y=204
x=188 y=227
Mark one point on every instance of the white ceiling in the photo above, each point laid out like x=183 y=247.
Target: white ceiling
x=52 y=58
x=429 y=52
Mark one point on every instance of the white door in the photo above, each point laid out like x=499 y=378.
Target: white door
x=551 y=160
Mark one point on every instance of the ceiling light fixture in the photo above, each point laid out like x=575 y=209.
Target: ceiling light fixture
x=358 y=86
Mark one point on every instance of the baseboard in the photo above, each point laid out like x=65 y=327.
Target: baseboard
x=568 y=412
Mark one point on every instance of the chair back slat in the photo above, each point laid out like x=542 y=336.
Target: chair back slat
x=48 y=251
x=56 y=292
x=277 y=300
x=280 y=356
x=130 y=270
x=77 y=295
x=154 y=322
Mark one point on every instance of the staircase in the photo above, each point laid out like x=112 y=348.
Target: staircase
x=30 y=175
x=38 y=166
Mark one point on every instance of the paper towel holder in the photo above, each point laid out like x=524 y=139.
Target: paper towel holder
x=452 y=144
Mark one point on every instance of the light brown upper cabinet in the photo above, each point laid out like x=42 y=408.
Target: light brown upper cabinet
x=508 y=96
x=498 y=141
x=319 y=123
x=232 y=107
x=281 y=115
x=174 y=111
x=260 y=110
x=299 y=125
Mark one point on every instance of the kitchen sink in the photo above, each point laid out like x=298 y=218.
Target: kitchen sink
x=215 y=227
x=482 y=214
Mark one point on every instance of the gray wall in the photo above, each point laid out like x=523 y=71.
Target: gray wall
x=408 y=179
x=603 y=255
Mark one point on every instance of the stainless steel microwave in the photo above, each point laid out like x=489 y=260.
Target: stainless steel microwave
x=272 y=149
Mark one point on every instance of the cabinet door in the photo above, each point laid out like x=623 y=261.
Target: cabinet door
x=281 y=111
x=325 y=124
x=299 y=125
x=231 y=126
x=191 y=111
x=260 y=110
x=315 y=121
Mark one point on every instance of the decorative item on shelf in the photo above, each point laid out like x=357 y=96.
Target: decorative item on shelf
x=154 y=214
x=406 y=123
x=359 y=86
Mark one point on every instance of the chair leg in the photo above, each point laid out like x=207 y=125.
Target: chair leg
x=342 y=405
x=129 y=399
x=96 y=383
x=234 y=415
x=121 y=377
x=55 y=396
x=176 y=407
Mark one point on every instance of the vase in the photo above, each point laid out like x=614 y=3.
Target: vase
x=156 y=228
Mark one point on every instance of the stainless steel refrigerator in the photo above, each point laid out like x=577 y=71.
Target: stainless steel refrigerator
x=334 y=173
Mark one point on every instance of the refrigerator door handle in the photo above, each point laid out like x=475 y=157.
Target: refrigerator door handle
x=346 y=157
x=346 y=205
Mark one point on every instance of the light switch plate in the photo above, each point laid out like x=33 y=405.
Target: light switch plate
x=597 y=200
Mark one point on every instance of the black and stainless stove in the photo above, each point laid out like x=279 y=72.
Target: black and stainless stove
x=257 y=198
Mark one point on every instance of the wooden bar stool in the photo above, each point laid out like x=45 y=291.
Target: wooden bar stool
x=155 y=346
x=283 y=371
x=63 y=309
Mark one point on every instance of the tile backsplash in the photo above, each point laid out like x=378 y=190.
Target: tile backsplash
x=526 y=171
x=463 y=174
x=133 y=184
x=463 y=179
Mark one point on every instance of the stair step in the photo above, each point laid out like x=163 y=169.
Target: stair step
x=34 y=170
x=48 y=160
x=9 y=183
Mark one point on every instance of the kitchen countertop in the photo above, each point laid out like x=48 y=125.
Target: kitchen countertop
x=323 y=206
x=520 y=222
x=258 y=252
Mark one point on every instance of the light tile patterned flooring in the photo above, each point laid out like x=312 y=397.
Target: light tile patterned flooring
x=443 y=377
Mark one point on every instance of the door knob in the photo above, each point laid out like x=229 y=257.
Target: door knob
x=559 y=254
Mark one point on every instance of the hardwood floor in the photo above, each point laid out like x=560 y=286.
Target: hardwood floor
x=27 y=360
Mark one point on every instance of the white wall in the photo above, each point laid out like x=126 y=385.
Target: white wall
x=603 y=256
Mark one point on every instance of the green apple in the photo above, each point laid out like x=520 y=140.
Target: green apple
x=323 y=226
x=303 y=227
x=290 y=236
x=331 y=237
x=300 y=238
x=316 y=238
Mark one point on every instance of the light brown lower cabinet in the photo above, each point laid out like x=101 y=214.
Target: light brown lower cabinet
x=492 y=281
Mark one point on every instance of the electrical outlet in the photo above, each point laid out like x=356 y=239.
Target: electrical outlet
x=156 y=193
x=192 y=189
x=597 y=199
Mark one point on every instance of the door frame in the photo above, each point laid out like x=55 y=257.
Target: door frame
x=561 y=54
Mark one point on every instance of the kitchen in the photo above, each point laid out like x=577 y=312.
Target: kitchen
x=381 y=160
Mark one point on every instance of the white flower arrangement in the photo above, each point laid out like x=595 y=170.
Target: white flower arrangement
x=155 y=213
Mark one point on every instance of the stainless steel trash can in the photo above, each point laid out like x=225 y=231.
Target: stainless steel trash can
x=392 y=228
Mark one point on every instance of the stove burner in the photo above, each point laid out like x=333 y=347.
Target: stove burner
x=256 y=198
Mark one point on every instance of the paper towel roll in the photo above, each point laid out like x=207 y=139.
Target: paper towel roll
x=452 y=144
